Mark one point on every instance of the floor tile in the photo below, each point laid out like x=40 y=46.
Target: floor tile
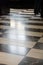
x=31 y=33
x=32 y=22
x=41 y=40
x=0 y=33
x=31 y=61
x=2 y=30
x=36 y=53
x=39 y=24
x=4 y=27
x=14 y=49
x=32 y=38
x=2 y=64
x=38 y=45
x=34 y=30
x=38 y=18
x=20 y=37
x=33 y=26
x=27 y=44
x=24 y=32
x=6 y=24
x=10 y=59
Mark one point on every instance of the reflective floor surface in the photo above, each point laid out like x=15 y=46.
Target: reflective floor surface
x=21 y=38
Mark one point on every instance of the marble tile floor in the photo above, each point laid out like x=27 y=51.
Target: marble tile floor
x=21 y=39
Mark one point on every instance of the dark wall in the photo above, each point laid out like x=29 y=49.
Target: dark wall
x=18 y=3
x=22 y=4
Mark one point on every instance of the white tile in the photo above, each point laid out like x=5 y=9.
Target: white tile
x=37 y=34
x=36 y=53
x=28 y=33
x=41 y=40
x=10 y=59
x=27 y=44
x=0 y=33
x=4 y=27
x=34 y=26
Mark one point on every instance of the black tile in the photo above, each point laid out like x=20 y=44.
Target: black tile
x=2 y=64
x=9 y=36
x=3 y=30
x=26 y=14
x=6 y=24
x=14 y=49
x=38 y=46
x=32 y=38
x=31 y=61
x=39 y=24
x=22 y=16
x=4 y=18
x=19 y=37
x=1 y=35
x=34 y=30
x=36 y=19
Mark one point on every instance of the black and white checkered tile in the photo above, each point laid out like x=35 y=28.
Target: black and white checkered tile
x=21 y=39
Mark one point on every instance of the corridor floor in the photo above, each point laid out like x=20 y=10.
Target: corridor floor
x=21 y=39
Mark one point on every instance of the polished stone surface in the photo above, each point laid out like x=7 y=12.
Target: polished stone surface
x=31 y=61
x=39 y=24
x=6 y=24
x=14 y=49
x=34 y=30
x=2 y=64
x=2 y=30
x=39 y=45
x=21 y=39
